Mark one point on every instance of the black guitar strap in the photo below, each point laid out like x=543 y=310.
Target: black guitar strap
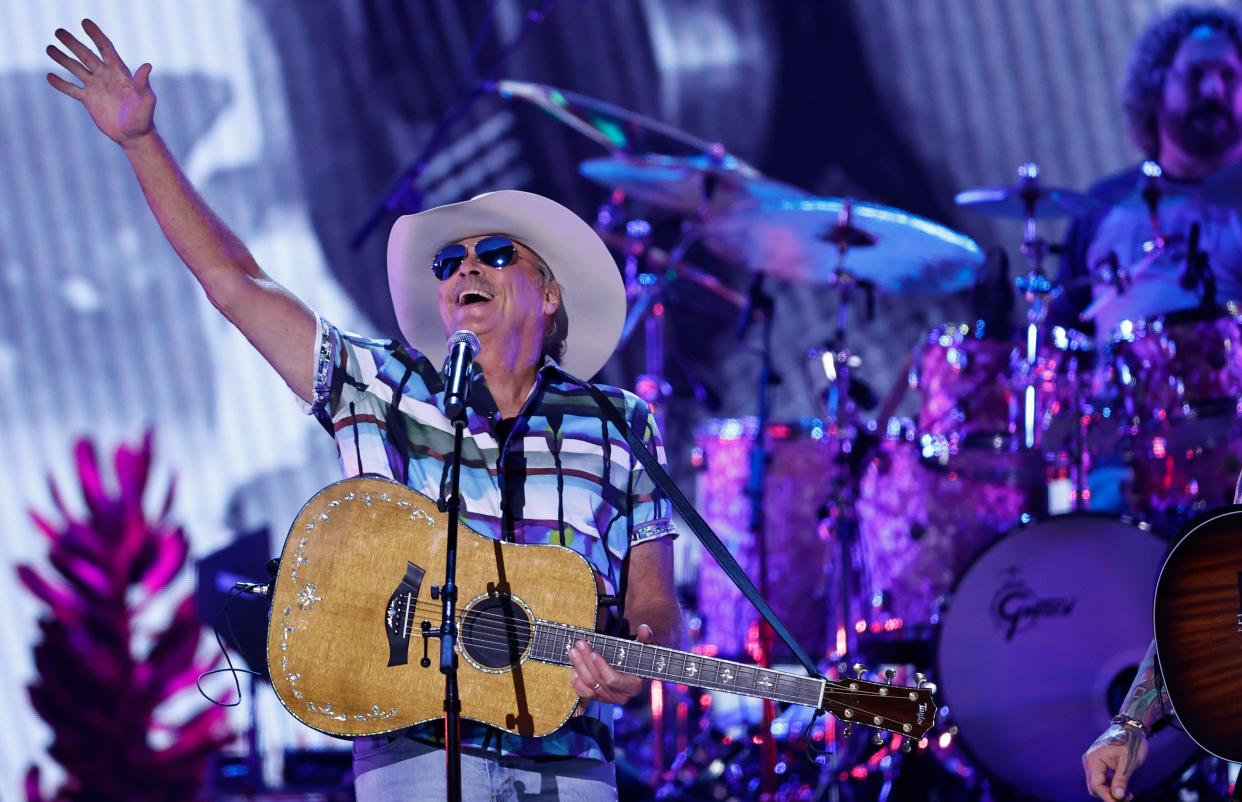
x=697 y=525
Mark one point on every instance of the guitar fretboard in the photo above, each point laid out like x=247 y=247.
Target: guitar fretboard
x=551 y=643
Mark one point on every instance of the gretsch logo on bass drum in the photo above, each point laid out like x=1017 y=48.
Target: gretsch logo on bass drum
x=1016 y=607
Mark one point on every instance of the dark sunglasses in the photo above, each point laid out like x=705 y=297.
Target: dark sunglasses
x=495 y=251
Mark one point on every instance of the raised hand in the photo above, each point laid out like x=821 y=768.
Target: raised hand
x=120 y=103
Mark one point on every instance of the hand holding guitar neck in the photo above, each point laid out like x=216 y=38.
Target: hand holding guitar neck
x=594 y=679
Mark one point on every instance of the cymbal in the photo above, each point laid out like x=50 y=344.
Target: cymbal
x=1050 y=202
x=1026 y=199
x=613 y=127
x=787 y=239
x=686 y=184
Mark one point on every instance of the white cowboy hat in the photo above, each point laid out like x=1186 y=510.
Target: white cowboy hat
x=591 y=289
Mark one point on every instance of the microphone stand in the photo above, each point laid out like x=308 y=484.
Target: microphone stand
x=447 y=631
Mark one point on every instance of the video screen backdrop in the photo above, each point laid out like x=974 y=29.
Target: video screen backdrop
x=292 y=119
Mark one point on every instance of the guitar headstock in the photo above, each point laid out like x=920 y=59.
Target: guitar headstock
x=905 y=710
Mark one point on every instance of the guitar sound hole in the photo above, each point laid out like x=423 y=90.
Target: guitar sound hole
x=495 y=632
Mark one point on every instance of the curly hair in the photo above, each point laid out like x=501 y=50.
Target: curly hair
x=1153 y=55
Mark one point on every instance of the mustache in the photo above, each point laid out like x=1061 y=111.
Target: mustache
x=468 y=283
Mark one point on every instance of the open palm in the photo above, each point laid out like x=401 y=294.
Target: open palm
x=120 y=103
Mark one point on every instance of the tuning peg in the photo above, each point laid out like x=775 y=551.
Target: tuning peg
x=878 y=739
x=842 y=668
x=929 y=686
x=919 y=679
x=859 y=669
x=889 y=673
x=907 y=745
x=849 y=729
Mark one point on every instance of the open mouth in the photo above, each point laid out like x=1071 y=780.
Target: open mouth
x=471 y=297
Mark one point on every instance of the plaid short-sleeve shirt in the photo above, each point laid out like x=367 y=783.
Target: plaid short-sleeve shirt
x=558 y=473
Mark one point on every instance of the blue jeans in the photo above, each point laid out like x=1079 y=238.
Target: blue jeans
x=403 y=770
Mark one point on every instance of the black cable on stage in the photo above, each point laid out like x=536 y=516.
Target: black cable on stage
x=234 y=592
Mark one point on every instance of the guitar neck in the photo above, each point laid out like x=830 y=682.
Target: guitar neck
x=551 y=643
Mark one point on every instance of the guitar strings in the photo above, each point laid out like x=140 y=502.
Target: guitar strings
x=501 y=630
x=830 y=688
x=493 y=624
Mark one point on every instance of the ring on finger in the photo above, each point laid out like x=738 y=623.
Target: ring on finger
x=596 y=686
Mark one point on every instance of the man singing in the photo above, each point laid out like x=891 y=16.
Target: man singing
x=540 y=464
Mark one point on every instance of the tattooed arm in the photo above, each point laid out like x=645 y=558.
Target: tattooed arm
x=1122 y=747
x=1148 y=700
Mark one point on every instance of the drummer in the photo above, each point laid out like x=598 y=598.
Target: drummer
x=1183 y=104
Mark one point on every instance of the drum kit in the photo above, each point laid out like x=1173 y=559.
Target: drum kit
x=1005 y=536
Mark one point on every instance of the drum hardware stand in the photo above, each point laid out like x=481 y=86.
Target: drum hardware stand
x=645 y=292
x=1153 y=190
x=1037 y=288
x=840 y=406
x=845 y=235
x=761 y=305
x=838 y=362
x=842 y=411
x=1198 y=271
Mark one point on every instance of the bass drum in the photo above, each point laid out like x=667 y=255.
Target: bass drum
x=1039 y=643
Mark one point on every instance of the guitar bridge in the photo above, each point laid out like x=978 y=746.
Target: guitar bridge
x=399 y=615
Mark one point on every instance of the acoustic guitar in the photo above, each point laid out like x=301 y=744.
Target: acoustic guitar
x=1198 y=621
x=356 y=589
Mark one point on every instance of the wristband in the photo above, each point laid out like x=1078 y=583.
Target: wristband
x=1130 y=723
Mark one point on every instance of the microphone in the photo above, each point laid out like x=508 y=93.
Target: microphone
x=463 y=347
